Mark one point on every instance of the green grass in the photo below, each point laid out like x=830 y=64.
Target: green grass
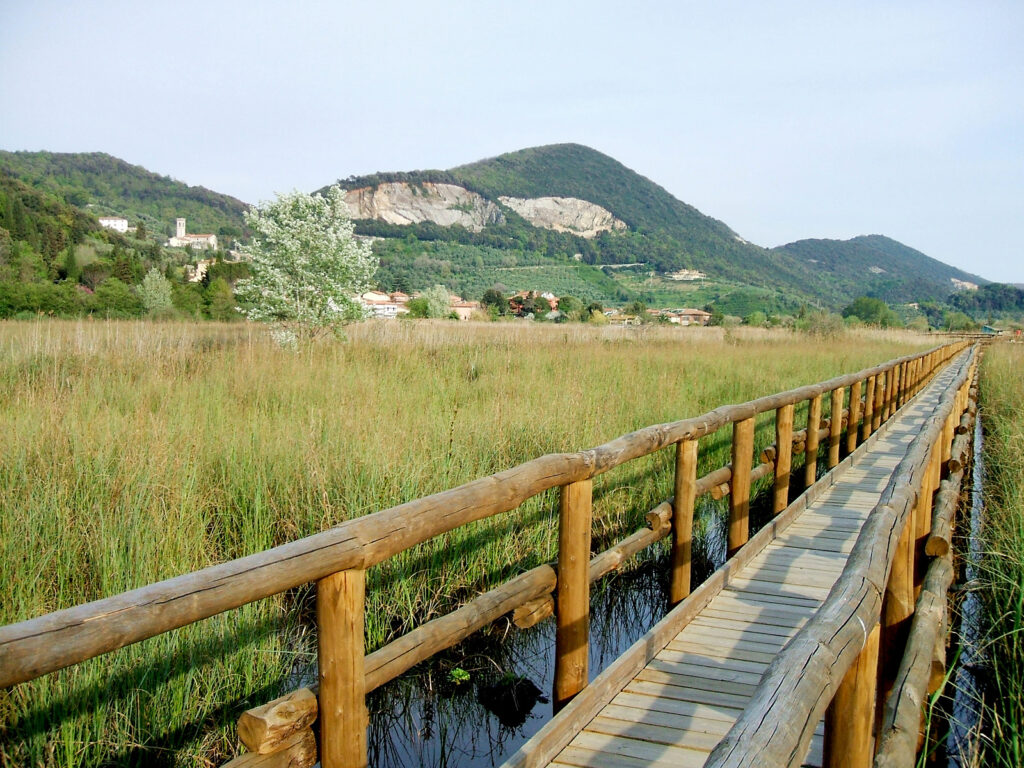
x=1002 y=392
x=135 y=452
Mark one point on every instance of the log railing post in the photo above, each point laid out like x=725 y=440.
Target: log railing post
x=835 y=427
x=340 y=608
x=739 y=492
x=682 y=519
x=897 y=607
x=572 y=601
x=890 y=393
x=869 y=409
x=811 y=446
x=850 y=718
x=854 y=417
x=783 y=457
x=881 y=382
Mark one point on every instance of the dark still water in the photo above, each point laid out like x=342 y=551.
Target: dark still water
x=474 y=705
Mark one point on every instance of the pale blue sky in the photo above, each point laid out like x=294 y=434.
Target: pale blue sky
x=785 y=120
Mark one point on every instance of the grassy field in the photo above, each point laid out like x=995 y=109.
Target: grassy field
x=135 y=452
x=1002 y=587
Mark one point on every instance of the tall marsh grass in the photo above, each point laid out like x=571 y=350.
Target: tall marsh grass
x=1002 y=588
x=135 y=452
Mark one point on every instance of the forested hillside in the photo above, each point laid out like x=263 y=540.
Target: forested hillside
x=56 y=260
x=880 y=267
x=106 y=185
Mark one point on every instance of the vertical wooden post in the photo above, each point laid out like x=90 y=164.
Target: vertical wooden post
x=340 y=606
x=783 y=457
x=854 y=417
x=682 y=519
x=739 y=494
x=949 y=432
x=901 y=375
x=897 y=607
x=572 y=615
x=869 y=409
x=850 y=718
x=890 y=393
x=835 y=427
x=880 y=386
x=811 y=445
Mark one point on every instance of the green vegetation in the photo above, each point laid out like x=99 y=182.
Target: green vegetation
x=135 y=452
x=107 y=185
x=56 y=260
x=879 y=267
x=872 y=312
x=1002 y=391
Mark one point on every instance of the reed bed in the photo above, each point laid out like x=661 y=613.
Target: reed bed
x=134 y=452
x=1002 y=573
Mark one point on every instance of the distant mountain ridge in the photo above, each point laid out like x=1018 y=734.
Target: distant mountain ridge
x=107 y=185
x=562 y=208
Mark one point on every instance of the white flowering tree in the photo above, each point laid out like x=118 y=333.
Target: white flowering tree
x=307 y=269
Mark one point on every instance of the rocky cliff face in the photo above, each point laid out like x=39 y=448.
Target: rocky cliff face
x=564 y=214
x=404 y=203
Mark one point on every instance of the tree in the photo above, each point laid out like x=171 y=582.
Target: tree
x=140 y=231
x=439 y=302
x=220 y=301
x=155 y=293
x=872 y=311
x=493 y=301
x=306 y=267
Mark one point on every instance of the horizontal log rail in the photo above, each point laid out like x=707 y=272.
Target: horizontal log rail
x=810 y=673
x=336 y=559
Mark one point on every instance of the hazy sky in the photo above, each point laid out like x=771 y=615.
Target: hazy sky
x=786 y=120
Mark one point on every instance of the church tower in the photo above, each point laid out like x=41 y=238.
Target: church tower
x=179 y=228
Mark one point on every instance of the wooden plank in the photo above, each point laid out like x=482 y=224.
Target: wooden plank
x=688 y=709
x=651 y=674
x=701 y=725
x=703 y=660
x=671 y=735
x=683 y=693
x=656 y=753
x=706 y=669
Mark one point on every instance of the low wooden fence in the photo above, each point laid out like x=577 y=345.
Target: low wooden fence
x=337 y=560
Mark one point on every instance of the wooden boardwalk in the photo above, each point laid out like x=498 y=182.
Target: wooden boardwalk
x=687 y=697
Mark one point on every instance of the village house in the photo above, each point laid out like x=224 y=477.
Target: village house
x=182 y=239
x=386 y=305
x=116 y=223
x=464 y=309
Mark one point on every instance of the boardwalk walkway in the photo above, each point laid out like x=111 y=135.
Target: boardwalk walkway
x=686 y=698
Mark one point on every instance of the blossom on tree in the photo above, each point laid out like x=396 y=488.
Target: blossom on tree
x=307 y=269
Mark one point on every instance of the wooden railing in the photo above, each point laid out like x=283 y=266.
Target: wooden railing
x=337 y=559
x=867 y=649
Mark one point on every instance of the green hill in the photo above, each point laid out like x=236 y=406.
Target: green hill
x=880 y=267
x=663 y=235
x=106 y=185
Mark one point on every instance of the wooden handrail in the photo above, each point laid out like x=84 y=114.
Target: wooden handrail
x=776 y=727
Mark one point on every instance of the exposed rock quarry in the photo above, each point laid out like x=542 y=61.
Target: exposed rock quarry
x=564 y=214
x=404 y=203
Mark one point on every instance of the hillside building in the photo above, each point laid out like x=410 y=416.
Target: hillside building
x=182 y=239
x=115 y=223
